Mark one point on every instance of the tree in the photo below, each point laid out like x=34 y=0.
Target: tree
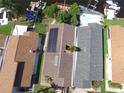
x=70 y=16
x=74 y=20
x=51 y=10
x=74 y=9
x=9 y=5
x=64 y=17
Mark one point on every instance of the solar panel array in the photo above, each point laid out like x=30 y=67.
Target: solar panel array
x=52 y=42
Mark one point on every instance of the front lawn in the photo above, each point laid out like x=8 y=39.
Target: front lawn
x=116 y=21
x=6 y=29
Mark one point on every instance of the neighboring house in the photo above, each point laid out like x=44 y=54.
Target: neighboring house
x=89 y=16
x=77 y=68
x=89 y=63
x=3 y=16
x=20 y=59
x=58 y=62
x=117 y=53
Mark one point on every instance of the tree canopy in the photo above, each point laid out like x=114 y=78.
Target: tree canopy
x=51 y=10
x=63 y=17
x=70 y=16
x=74 y=9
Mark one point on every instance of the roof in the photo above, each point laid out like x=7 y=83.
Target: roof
x=89 y=65
x=89 y=16
x=27 y=43
x=2 y=40
x=58 y=62
x=19 y=29
x=17 y=51
x=89 y=11
x=8 y=71
x=117 y=47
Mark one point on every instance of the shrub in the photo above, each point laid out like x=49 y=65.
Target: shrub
x=51 y=10
x=64 y=17
x=74 y=9
x=96 y=84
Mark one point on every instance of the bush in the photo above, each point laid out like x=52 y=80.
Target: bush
x=70 y=16
x=74 y=20
x=96 y=84
x=115 y=85
x=74 y=9
x=51 y=10
x=64 y=17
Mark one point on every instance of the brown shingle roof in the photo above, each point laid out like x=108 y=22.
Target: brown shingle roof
x=8 y=71
x=2 y=40
x=62 y=70
x=117 y=47
x=25 y=45
x=18 y=50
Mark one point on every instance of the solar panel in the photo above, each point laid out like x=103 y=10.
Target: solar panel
x=52 y=41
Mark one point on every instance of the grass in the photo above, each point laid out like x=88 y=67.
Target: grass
x=105 y=33
x=41 y=28
x=6 y=29
x=116 y=21
x=105 y=50
x=114 y=85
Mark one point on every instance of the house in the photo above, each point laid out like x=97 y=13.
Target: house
x=89 y=16
x=19 y=63
x=89 y=60
x=58 y=62
x=73 y=68
x=117 y=53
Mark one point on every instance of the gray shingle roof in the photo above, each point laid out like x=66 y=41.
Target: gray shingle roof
x=89 y=64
